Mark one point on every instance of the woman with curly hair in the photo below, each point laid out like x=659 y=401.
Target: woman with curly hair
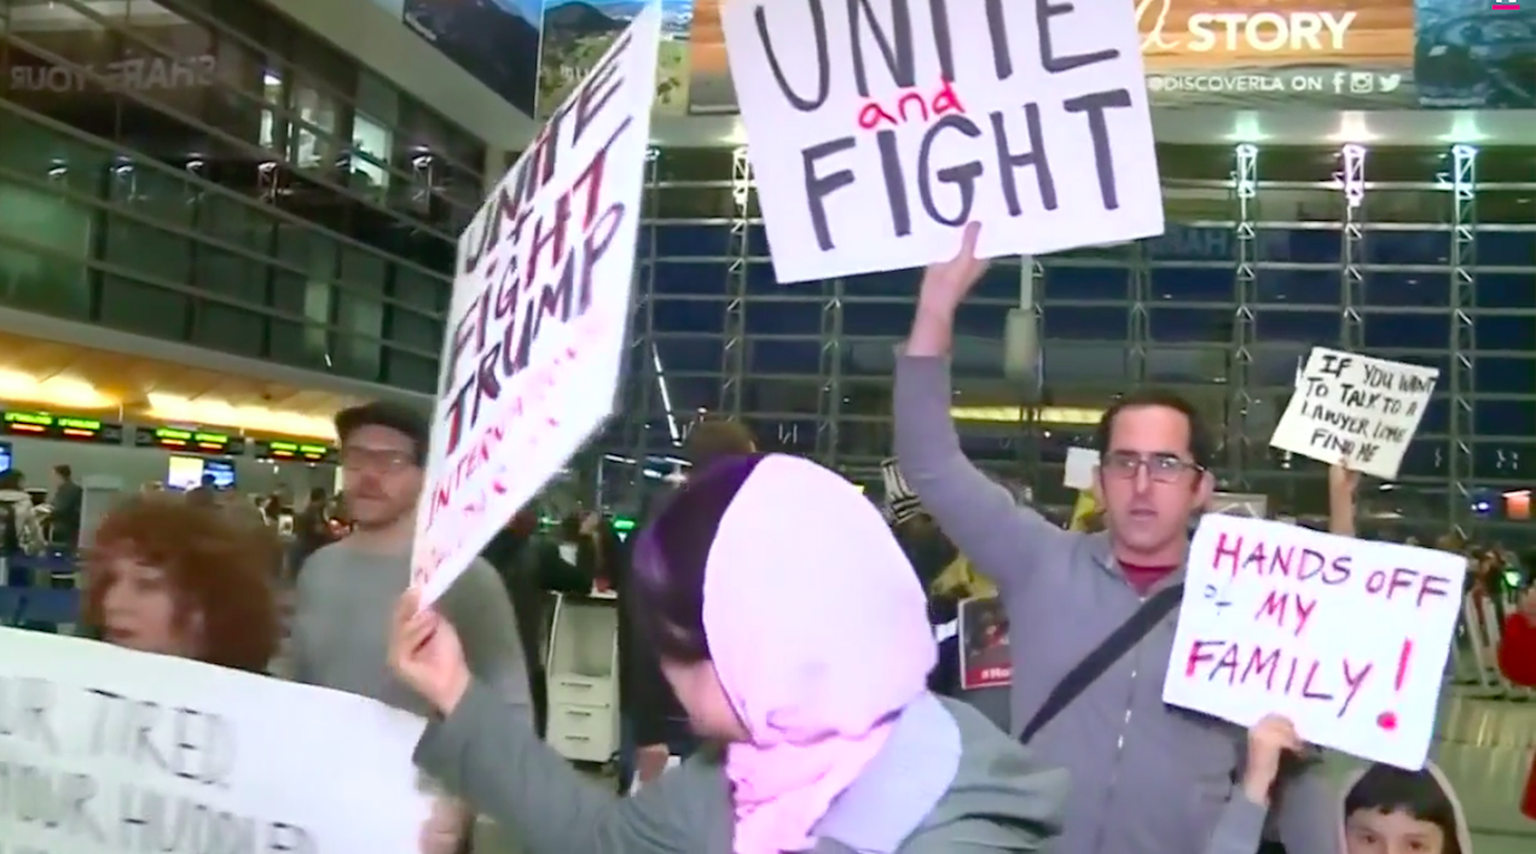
x=178 y=577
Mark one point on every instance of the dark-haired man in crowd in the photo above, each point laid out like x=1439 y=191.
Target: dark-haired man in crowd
x=1147 y=778
x=656 y=723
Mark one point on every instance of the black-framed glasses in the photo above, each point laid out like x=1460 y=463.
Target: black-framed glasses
x=1163 y=468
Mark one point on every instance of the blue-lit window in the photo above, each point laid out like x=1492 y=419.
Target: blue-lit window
x=1274 y=365
x=999 y=284
x=1192 y=284
x=1407 y=247
x=1391 y=288
x=1439 y=361
x=1506 y=248
x=1297 y=287
x=1312 y=327
x=1302 y=246
x=1179 y=325
x=977 y=321
x=784 y=317
x=902 y=284
x=1503 y=375
x=768 y=356
x=789 y=435
x=1385 y=330
x=690 y=354
x=1504 y=417
x=1070 y=366
x=681 y=277
x=1498 y=331
x=1437 y=415
x=1086 y=323
x=1423 y=458
x=693 y=241
x=688 y=315
x=1189 y=243
x=884 y=318
x=1507 y=290
x=1504 y=460
x=1187 y=364
x=1086 y=284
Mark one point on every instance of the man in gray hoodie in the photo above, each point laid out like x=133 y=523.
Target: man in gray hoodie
x=1147 y=778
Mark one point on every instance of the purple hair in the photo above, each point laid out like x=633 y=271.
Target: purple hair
x=666 y=590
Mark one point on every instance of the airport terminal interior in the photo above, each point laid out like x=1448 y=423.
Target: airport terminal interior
x=221 y=222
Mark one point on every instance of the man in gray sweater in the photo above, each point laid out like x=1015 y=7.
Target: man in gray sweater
x=1147 y=777
x=347 y=591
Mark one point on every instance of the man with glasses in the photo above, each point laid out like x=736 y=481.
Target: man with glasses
x=1092 y=615
x=346 y=594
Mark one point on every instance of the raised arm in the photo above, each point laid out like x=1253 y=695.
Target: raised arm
x=1342 y=484
x=982 y=519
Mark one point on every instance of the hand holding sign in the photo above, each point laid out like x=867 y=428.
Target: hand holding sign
x=946 y=283
x=1271 y=622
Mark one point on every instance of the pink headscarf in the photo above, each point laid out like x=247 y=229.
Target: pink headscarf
x=818 y=629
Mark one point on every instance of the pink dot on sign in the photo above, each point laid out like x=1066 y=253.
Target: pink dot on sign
x=1387 y=721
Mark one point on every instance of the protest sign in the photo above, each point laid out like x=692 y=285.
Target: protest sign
x=986 y=657
x=1081 y=465
x=1347 y=638
x=536 y=326
x=879 y=127
x=1252 y=505
x=1356 y=409
x=104 y=751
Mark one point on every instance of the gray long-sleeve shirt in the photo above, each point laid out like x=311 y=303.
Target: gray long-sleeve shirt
x=343 y=607
x=1147 y=778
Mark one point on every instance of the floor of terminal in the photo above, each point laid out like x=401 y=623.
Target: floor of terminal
x=1485 y=747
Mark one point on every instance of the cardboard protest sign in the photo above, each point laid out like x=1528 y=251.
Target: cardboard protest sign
x=1081 y=465
x=536 y=327
x=879 y=127
x=1249 y=504
x=1348 y=638
x=986 y=657
x=1355 y=408
x=104 y=751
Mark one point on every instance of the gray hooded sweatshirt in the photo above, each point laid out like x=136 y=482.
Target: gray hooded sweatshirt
x=1147 y=778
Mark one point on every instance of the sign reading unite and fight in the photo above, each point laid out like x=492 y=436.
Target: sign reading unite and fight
x=880 y=126
x=536 y=328
x=1347 y=638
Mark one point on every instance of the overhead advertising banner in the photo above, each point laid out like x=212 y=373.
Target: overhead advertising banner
x=496 y=41
x=1320 y=54
x=576 y=33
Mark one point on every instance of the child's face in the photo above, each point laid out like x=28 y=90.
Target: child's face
x=1373 y=832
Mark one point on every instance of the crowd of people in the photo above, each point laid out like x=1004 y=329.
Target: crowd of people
x=808 y=722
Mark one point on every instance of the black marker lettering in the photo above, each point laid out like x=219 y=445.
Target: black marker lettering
x=900 y=60
x=1011 y=161
x=823 y=63
x=997 y=30
x=1103 y=157
x=1045 y=10
x=895 y=182
x=818 y=187
x=962 y=176
x=943 y=43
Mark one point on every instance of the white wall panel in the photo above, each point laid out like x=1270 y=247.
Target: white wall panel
x=372 y=31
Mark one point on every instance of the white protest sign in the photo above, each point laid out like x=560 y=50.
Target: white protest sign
x=536 y=330
x=104 y=751
x=1356 y=408
x=1347 y=638
x=879 y=127
x=1081 y=464
x=1252 y=505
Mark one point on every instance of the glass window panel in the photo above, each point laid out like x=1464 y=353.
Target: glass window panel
x=1406 y=206
x=151 y=251
x=1276 y=204
x=1187 y=364
x=153 y=194
x=1502 y=375
x=318 y=118
x=786 y=435
x=1313 y=246
x=690 y=353
x=971 y=319
x=1504 y=417
x=1085 y=323
x=1314 y=327
x=1113 y=252
x=1191 y=243
x=787 y=317
x=674 y=277
x=689 y=315
x=1505 y=460
x=143 y=308
x=1506 y=290
x=1000 y=283
x=410 y=371
x=233 y=221
x=1439 y=361
x=1297 y=287
x=1088 y=284
x=1068 y=365
x=1412 y=290
x=1190 y=324
x=1497 y=331
x=363 y=271
x=1437 y=416
x=308 y=250
x=42 y=281
x=883 y=319
x=417 y=331
x=235 y=276
x=1386 y=330
x=1407 y=247
x=1424 y=459
x=1504 y=205
x=693 y=241
x=227 y=328
x=372 y=143
x=418 y=289
x=1274 y=364
x=760 y=280
x=1506 y=248
x=865 y=439
x=694 y=164
x=360 y=326
x=697 y=202
x=288 y=292
x=45 y=220
x=783 y=357
x=890 y=283
x=1193 y=284
x=780 y=395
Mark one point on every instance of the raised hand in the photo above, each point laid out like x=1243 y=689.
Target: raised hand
x=946 y=284
x=424 y=651
x=1268 y=740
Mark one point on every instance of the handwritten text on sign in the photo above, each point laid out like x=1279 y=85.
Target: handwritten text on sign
x=539 y=311
x=104 y=751
x=1355 y=408
x=879 y=126
x=1346 y=637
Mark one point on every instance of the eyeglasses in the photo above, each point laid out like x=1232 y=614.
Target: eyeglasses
x=1162 y=468
x=387 y=460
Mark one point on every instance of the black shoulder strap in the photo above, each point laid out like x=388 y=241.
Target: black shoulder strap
x=1103 y=656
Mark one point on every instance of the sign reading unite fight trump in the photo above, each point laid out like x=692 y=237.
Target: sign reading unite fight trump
x=879 y=127
x=1347 y=638
x=536 y=328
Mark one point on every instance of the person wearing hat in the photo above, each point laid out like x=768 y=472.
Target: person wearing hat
x=346 y=593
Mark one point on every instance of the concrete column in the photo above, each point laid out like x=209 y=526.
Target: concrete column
x=497 y=162
x=1021 y=338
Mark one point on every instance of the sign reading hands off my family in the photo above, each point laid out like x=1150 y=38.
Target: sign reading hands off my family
x=536 y=328
x=878 y=127
x=106 y=751
x=1355 y=409
x=1347 y=638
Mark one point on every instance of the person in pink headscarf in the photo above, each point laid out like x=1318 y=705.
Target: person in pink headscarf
x=796 y=635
